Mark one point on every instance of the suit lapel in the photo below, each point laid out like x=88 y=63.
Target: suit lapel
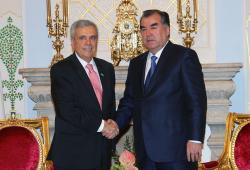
x=143 y=68
x=85 y=79
x=161 y=67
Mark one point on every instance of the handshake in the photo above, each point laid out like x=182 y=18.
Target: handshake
x=110 y=129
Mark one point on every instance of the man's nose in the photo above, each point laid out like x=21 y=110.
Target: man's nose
x=88 y=41
x=148 y=32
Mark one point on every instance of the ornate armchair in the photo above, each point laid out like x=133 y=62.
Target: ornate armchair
x=24 y=144
x=236 y=152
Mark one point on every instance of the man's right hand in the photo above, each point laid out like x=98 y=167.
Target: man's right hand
x=110 y=129
x=194 y=151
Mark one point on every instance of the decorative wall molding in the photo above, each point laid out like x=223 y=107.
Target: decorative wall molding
x=11 y=54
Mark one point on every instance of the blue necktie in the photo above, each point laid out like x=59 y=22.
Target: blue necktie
x=151 y=71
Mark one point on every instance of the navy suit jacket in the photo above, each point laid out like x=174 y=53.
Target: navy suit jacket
x=76 y=143
x=173 y=108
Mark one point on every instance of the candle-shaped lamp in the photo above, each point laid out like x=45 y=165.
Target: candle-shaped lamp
x=57 y=28
x=66 y=12
x=187 y=23
x=179 y=9
x=48 y=12
x=195 y=9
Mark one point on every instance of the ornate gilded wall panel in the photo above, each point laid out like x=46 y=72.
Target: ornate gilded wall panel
x=11 y=57
x=103 y=14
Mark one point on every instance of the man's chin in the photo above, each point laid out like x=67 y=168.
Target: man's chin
x=88 y=54
x=150 y=47
x=150 y=44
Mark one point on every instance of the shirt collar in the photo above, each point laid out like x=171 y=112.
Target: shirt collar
x=158 y=54
x=84 y=63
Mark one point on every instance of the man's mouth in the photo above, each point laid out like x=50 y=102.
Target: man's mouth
x=87 y=48
x=150 y=40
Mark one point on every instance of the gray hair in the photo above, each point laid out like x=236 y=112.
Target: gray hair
x=81 y=24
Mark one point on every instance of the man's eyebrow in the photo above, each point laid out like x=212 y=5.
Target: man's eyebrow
x=154 y=24
x=141 y=27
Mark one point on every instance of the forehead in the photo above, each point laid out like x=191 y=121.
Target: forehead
x=152 y=19
x=88 y=31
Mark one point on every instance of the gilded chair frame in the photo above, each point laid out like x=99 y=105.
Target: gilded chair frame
x=235 y=122
x=33 y=125
x=242 y=123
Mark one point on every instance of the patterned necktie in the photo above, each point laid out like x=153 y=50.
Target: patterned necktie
x=96 y=84
x=151 y=71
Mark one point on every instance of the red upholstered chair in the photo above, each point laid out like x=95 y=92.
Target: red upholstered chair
x=24 y=144
x=236 y=152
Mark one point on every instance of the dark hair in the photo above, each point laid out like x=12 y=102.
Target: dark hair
x=81 y=24
x=164 y=15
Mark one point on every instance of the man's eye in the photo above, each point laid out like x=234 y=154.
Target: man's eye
x=82 y=38
x=93 y=38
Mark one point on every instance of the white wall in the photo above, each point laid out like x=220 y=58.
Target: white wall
x=230 y=46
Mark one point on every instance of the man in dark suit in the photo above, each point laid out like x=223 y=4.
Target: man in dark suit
x=82 y=89
x=165 y=95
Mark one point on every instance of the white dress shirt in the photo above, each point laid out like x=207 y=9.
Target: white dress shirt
x=148 y=63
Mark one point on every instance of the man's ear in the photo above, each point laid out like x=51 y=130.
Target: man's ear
x=72 y=44
x=168 y=29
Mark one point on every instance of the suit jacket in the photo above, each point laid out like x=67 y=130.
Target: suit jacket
x=171 y=111
x=76 y=143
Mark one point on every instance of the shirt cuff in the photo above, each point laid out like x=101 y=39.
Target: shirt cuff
x=101 y=127
x=194 y=141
